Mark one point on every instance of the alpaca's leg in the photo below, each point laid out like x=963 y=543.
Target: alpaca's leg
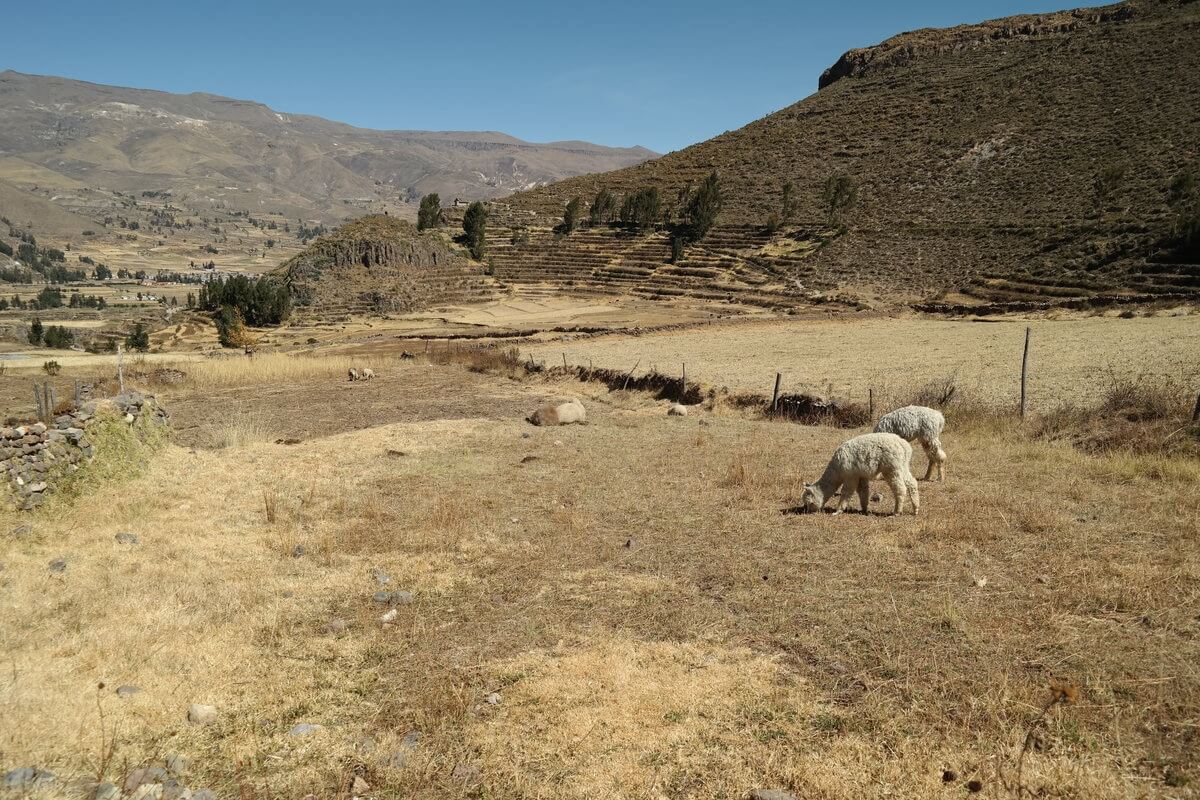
x=899 y=490
x=914 y=495
x=940 y=455
x=844 y=495
x=864 y=495
x=931 y=454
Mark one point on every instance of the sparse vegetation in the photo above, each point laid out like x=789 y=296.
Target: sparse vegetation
x=139 y=338
x=703 y=206
x=1105 y=185
x=604 y=206
x=838 y=194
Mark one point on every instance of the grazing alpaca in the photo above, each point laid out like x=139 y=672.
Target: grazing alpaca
x=855 y=463
x=677 y=410
x=367 y=374
x=561 y=414
x=919 y=424
x=353 y=374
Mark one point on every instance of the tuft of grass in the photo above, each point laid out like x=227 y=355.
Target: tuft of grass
x=121 y=451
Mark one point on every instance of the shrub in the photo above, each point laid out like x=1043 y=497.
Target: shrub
x=788 y=208
x=773 y=223
x=572 y=213
x=429 y=215
x=58 y=337
x=838 y=194
x=35 y=332
x=642 y=208
x=474 y=226
x=51 y=367
x=676 y=249
x=140 y=338
x=231 y=329
x=603 y=207
x=703 y=206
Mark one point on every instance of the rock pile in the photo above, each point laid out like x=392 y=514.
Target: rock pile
x=34 y=456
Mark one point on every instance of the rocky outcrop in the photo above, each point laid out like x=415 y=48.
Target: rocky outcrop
x=907 y=47
x=35 y=456
x=379 y=264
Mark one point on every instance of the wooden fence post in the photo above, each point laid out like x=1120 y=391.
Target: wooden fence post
x=564 y=361
x=629 y=375
x=37 y=399
x=121 y=367
x=47 y=401
x=775 y=394
x=1024 y=371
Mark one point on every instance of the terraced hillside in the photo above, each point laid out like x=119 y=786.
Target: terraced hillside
x=380 y=264
x=1022 y=159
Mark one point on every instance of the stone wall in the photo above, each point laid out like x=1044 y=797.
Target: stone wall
x=34 y=456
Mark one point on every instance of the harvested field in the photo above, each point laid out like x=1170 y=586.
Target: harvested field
x=1071 y=360
x=625 y=609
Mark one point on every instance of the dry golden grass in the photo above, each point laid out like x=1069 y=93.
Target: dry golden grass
x=729 y=646
x=1071 y=360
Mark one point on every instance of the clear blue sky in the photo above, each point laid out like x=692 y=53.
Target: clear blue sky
x=658 y=74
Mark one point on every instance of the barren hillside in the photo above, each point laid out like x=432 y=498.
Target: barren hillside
x=977 y=152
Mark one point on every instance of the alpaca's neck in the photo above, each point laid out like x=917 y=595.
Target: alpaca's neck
x=829 y=482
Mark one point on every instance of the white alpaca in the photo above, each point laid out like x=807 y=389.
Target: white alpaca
x=677 y=410
x=919 y=424
x=561 y=414
x=353 y=373
x=367 y=373
x=855 y=463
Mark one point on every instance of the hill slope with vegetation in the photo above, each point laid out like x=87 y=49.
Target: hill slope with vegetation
x=378 y=264
x=1040 y=156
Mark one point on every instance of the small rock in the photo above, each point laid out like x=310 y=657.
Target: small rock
x=359 y=786
x=381 y=577
x=177 y=764
x=337 y=626
x=58 y=565
x=630 y=543
x=705 y=422
x=148 y=791
x=493 y=699
x=382 y=597
x=526 y=435
x=22 y=530
x=201 y=714
x=40 y=486
x=1043 y=578
x=677 y=410
x=127 y=691
x=298 y=551
x=143 y=776
x=949 y=776
x=204 y=794
x=401 y=598
x=980 y=581
x=304 y=729
x=124 y=537
x=771 y=794
x=515 y=520
x=389 y=617
x=174 y=790
x=27 y=778
x=558 y=443
x=106 y=791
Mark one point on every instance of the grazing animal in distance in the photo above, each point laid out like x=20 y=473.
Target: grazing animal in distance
x=566 y=413
x=855 y=463
x=366 y=374
x=407 y=356
x=353 y=373
x=677 y=410
x=919 y=424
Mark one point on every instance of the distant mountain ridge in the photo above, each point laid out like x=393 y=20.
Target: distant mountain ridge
x=219 y=151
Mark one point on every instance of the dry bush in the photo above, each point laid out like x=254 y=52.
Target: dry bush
x=238 y=433
x=273 y=368
x=495 y=360
x=938 y=393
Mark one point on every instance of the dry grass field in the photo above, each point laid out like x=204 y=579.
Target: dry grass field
x=1071 y=359
x=626 y=609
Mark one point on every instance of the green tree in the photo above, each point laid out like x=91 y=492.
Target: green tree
x=703 y=206
x=429 y=214
x=140 y=338
x=103 y=273
x=572 y=213
x=474 y=226
x=59 y=337
x=676 y=249
x=838 y=194
x=603 y=207
x=642 y=208
x=35 y=332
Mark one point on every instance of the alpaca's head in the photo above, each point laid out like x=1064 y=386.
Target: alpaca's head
x=813 y=498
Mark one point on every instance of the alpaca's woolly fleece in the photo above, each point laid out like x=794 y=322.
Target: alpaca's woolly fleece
x=566 y=413
x=855 y=463
x=919 y=424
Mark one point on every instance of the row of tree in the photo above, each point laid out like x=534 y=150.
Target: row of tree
x=260 y=301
